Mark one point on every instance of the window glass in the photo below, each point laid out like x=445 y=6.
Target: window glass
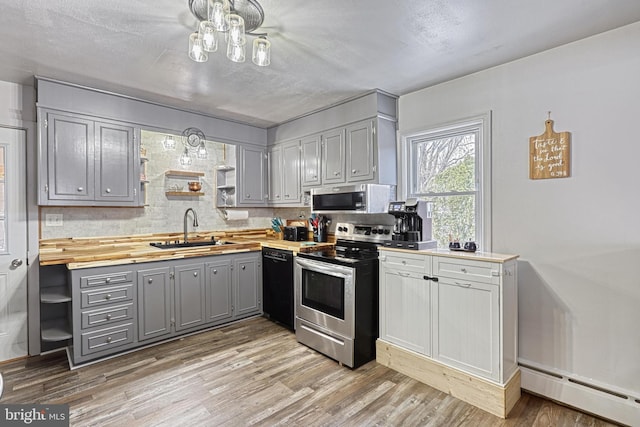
x=444 y=167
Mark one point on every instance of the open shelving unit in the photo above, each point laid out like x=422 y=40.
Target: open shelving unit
x=183 y=175
x=226 y=180
x=55 y=308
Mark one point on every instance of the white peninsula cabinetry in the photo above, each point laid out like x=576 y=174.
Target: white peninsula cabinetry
x=450 y=321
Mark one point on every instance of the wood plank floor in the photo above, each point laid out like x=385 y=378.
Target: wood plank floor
x=252 y=373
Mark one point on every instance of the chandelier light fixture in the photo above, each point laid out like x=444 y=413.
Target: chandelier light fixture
x=235 y=19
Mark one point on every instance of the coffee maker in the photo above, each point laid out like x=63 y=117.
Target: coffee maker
x=412 y=227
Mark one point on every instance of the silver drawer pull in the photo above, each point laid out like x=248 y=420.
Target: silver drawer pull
x=108 y=317
x=195 y=274
x=109 y=339
x=107 y=280
x=404 y=274
x=80 y=189
x=150 y=280
x=463 y=285
x=108 y=297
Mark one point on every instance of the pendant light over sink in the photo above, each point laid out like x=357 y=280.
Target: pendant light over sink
x=235 y=19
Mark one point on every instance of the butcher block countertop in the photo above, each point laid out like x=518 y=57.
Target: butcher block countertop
x=85 y=252
x=477 y=256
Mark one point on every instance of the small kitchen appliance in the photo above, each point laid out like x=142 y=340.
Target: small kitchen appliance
x=295 y=233
x=336 y=295
x=412 y=228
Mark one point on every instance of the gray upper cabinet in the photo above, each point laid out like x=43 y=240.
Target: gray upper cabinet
x=284 y=173
x=311 y=150
x=333 y=157
x=361 y=162
x=252 y=182
x=87 y=162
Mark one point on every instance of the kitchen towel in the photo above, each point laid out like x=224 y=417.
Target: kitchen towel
x=235 y=215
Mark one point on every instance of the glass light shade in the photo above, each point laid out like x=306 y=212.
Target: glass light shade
x=236 y=53
x=236 y=30
x=261 y=52
x=218 y=11
x=196 y=48
x=185 y=158
x=169 y=143
x=207 y=33
x=202 y=151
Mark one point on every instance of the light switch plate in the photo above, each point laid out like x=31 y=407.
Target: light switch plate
x=53 y=220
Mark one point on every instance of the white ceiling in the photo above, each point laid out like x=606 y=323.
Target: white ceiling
x=322 y=51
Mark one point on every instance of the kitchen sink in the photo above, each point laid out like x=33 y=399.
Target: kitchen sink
x=174 y=245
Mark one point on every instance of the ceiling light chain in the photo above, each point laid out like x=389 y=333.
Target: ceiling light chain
x=235 y=18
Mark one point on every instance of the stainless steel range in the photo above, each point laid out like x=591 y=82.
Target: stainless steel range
x=336 y=295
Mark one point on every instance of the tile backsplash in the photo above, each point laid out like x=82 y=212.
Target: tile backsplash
x=163 y=214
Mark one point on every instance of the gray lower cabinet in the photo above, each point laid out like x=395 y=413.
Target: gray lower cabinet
x=86 y=161
x=154 y=301
x=121 y=307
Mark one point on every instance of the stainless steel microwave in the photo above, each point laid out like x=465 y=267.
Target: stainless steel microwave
x=361 y=198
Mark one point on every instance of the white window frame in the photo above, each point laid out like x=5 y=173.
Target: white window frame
x=481 y=123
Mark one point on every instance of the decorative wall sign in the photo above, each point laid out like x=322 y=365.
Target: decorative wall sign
x=550 y=154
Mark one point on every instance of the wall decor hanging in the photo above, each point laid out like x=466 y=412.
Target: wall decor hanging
x=550 y=153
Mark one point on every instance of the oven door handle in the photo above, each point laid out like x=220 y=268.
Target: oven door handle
x=329 y=270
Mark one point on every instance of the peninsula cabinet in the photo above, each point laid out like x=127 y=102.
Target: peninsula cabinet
x=122 y=307
x=450 y=321
x=252 y=177
x=87 y=161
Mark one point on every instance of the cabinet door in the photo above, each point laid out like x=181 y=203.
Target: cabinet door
x=218 y=291
x=291 y=172
x=70 y=157
x=405 y=309
x=252 y=177
x=115 y=162
x=467 y=333
x=360 y=152
x=311 y=154
x=248 y=286
x=154 y=302
x=274 y=160
x=333 y=161
x=189 y=296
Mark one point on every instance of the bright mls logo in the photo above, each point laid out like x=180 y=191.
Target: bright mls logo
x=34 y=415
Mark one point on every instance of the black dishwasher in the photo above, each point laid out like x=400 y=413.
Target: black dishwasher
x=277 y=285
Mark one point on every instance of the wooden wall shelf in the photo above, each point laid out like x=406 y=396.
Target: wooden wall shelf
x=184 y=193
x=187 y=174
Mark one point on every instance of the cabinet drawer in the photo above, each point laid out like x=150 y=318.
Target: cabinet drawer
x=478 y=271
x=406 y=262
x=105 y=339
x=107 y=316
x=101 y=296
x=116 y=278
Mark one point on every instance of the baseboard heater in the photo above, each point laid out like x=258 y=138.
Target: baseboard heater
x=579 y=393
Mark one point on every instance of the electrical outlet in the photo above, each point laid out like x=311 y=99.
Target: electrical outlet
x=53 y=220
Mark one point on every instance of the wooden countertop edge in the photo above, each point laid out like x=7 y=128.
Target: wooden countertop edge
x=476 y=256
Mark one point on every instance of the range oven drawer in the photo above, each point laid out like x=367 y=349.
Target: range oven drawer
x=332 y=345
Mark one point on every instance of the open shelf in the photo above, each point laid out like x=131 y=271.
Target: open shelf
x=184 y=193
x=225 y=168
x=54 y=295
x=186 y=174
x=226 y=187
x=56 y=330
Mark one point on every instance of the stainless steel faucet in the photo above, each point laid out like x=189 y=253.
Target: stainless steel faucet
x=195 y=221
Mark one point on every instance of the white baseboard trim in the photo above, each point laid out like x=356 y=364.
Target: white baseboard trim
x=610 y=405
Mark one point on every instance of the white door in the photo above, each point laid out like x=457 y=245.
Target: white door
x=13 y=245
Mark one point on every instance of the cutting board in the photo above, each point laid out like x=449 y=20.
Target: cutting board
x=550 y=154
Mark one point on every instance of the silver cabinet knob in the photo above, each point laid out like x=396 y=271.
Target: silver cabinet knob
x=150 y=280
x=108 y=317
x=464 y=270
x=108 y=297
x=215 y=271
x=315 y=176
x=354 y=171
x=109 y=339
x=108 y=190
x=80 y=189
x=107 y=280
x=16 y=263
x=195 y=274
x=336 y=173
x=243 y=267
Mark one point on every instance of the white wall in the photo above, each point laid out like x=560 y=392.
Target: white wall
x=578 y=237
